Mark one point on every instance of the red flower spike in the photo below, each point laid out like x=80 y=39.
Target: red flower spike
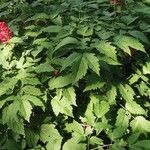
x=5 y=33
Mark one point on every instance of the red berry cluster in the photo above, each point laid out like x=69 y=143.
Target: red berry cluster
x=116 y=1
x=5 y=33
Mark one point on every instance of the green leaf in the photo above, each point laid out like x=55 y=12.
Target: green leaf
x=95 y=140
x=94 y=82
x=31 y=90
x=101 y=108
x=9 y=116
x=74 y=144
x=2 y=102
x=60 y=81
x=61 y=104
x=70 y=60
x=45 y=67
x=125 y=42
x=66 y=41
x=51 y=136
x=31 y=137
x=146 y=68
x=75 y=127
x=126 y=92
x=38 y=16
x=16 y=40
x=107 y=49
x=80 y=68
x=25 y=109
x=133 y=138
x=140 y=124
x=111 y=95
x=70 y=95
x=143 y=144
x=134 y=108
x=33 y=99
x=92 y=61
x=139 y=35
x=51 y=29
x=85 y=31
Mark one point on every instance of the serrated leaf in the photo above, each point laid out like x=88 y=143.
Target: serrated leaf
x=45 y=67
x=111 y=95
x=126 y=92
x=101 y=108
x=75 y=127
x=139 y=35
x=95 y=140
x=38 y=16
x=16 y=40
x=70 y=95
x=66 y=41
x=146 y=68
x=140 y=124
x=74 y=144
x=31 y=90
x=107 y=49
x=33 y=99
x=9 y=117
x=125 y=42
x=61 y=104
x=50 y=135
x=70 y=60
x=25 y=109
x=134 y=108
x=2 y=102
x=80 y=68
x=31 y=137
x=60 y=81
x=133 y=138
x=94 y=82
x=143 y=144
x=51 y=29
x=92 y=62
x=122 y=119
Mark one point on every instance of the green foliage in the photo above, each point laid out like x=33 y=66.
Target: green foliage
x=75 y=75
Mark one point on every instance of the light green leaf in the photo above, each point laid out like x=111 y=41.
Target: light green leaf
x=125 y=42
x=60 y=81
x=140 y=124
x=92 y=62
x=38 y=16
x=101 y=108
x=70 y=95
x=107 y=49
x=134 y=108
x=74 y=144
x=126 y=92
x=2 y=102
x=16 y=40
x=51 y=29
x=146 y=68
x=51 y=136
x=75 y=127
x=95 y=140
x=26 y=109
x=45 y=67
x=31 y=90
x=66 y=41
x=33 y=99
